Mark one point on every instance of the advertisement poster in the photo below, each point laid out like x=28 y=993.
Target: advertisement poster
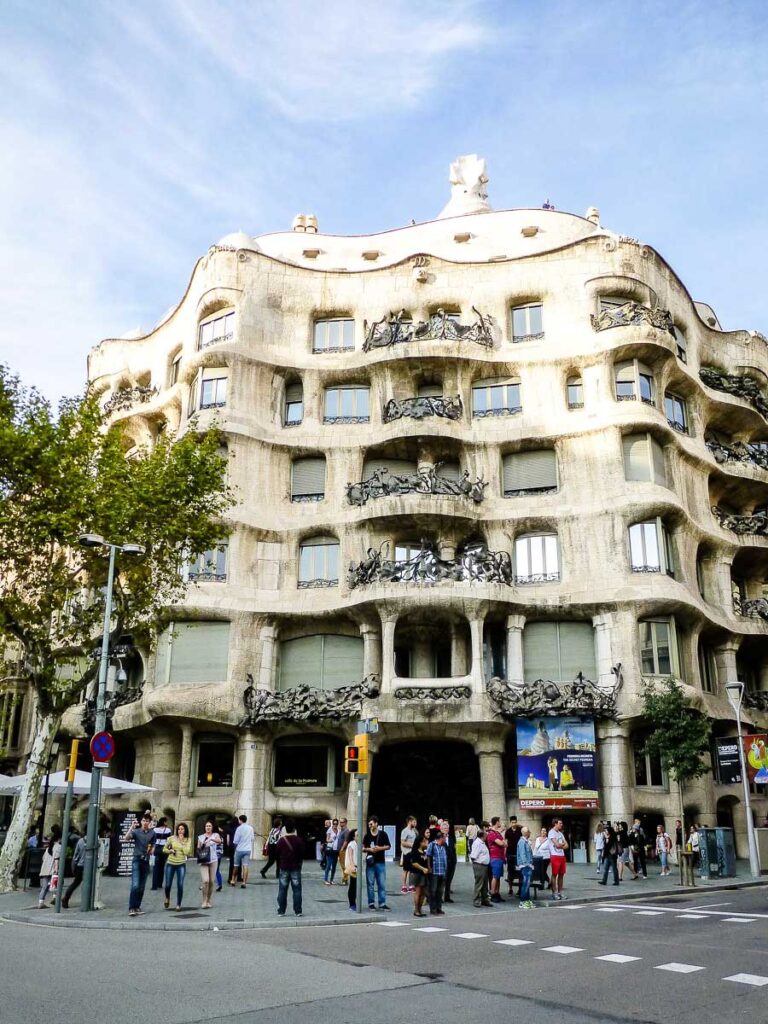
x=728 y=766
x=557 y=763
x=757 y=758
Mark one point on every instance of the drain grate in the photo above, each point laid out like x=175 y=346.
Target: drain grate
x=187 y=917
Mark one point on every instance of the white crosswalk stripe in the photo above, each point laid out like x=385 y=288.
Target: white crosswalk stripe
x=393 y=924
x=738 y=920
x=469 y=935
x=562 y=949
x=513 y=942
x=649 y=913
x=618 y=958
x=748 y=979
x=677 y=968
x=610 y=910
x=691 y=917
x=430 y=930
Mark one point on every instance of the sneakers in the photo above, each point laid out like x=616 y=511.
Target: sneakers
x=353 y=909
x=131 y=913
x=403 y=888
x=371 y=906
x=526 y=905
x=384 y=907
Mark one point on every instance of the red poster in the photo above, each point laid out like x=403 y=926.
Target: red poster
x=756 y=754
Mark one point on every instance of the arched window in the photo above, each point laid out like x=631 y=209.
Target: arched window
x=527 y=322
x=347 y=404
x=574 y=392
x=319 y=562
x=496 y=397
x=643 y=459
x=293 y=411
x=219 y=326
x=335 y=334
x=634 y=380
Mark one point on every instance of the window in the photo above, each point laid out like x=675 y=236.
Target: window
x=643 y=459
x=192 y=652
x=707 y=668
x=650 y=548
x=681 y=345
x=319 y=562
x=496 y=397
x=658 y=647
x=215 y=762
x=304 y=765
x=334 y=335
x=529 y=473
x=220 y=328
x=634 y=379
x=558 y=651
x=677 y=414
x=308 y=479
x=293 y=412
x=388 y=468
x=612 y=302
x=648 y=770
x=405 y=550
x=209 y=389
x=574 y=390
x=210 y=566
x=536 y=559
x=430 y=391
x=346 y=405
x=324 y=661
x=701 y=579
x=738 y=594
x=173 y=375
x=527 y=323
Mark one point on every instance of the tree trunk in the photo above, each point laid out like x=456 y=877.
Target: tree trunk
x=682 y=808
x=21 y=823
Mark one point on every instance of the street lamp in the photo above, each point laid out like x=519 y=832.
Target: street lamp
x=94 y=540
x=735 y=692
x=52 y=755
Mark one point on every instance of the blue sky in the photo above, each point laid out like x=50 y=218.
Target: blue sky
x=137 y=134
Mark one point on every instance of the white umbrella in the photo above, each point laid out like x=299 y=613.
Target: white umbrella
x=57 y=784
x=10 y=784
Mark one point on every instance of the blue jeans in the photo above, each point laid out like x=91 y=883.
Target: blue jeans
x=376 y=875
x=664 y=858
x=139 y=874
x=526 y=871
x=609 y=862
x=180 y=871
x=219 y=882
x=331 y=860
x=283 y=878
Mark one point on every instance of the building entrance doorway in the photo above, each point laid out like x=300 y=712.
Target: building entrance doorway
x=423 y=778
x=576 y=832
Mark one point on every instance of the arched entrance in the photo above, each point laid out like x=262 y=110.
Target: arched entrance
x=425 y=777
x=724 y=811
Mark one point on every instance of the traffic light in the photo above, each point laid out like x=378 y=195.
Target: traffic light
x=356 y=756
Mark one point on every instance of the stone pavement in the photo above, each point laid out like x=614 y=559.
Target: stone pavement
x=255 y=907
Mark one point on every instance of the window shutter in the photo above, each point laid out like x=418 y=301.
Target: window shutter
x=300 y=662
x=531 y=470
x=577 y=650
x=540 y=658
x=161 y=657
x=635 y=447
x=342 y=661
x=308 y=477
x=659 y=466
x=625 y=372
x=450 y=471
x=199 y=652
x=401 y=467
x=214 y=372
x=294 y=393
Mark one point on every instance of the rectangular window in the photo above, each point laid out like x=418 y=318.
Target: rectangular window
x=575 y=393
x=322 y=661
x=527 y=323
x=302 y=765
x=319 y=564
x=650 y=548
x=612 y=302
x=529 y=473
x=677 y=414
x=681 y=345
x=643 y=459
x=221 y=328
x=215 y=762
x=347 y=405
x=211 y=566
x=173 y=377
x=192 y=652
x=633 y=379
x=707 y=669
x=405 y=550
x=536 y=559
x=496 y=398
x=648 y=769
x=658 y=647
x=294 y=405
x=308 y=479
x=559 y=651
x=335 y=335
x=213 y=388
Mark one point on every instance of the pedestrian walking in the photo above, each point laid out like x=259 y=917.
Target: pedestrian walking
x=78 y=866
x=637 y=845
x=437 y=858
x=162 y=834
x=375 y=845
x=480 y=859
x=350 y=866
x=693 y=844
x=209 y=845
x=49 y=869
x=497 y=846
x=331 y=852
x=471 y=834
x=228 y=835
x=512 y=836
x=541 y=857
x=610 y=855
x=678 y=839
x=625 y=853
x=270 y=846
x=341 y=848
x=242 y=846
x=450 y=850
x=290 y=859
x=419 y=875
x=599 y=840
x=663 y=848
x=178 y=849
x=524 y=862
x=143 y=837
x=408 y=837
x=558 y=845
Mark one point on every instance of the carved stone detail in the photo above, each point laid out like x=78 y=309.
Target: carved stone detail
x=475 y=564
x=736 y=384
x=382 y=483
x=306 y=703
x=544 y=697
x=632 y=313
x=755 y=525
x=418 y=408
x=756 y=701
x=126 y=397
x=396 y=329
x=757 y=608
x=738 y=451
x=433 y=693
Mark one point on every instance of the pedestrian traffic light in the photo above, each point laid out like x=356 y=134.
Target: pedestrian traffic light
x=351 y=760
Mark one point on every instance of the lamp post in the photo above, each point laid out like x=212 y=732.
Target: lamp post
x=92 y=540
x=52 y=755
x=735 y=692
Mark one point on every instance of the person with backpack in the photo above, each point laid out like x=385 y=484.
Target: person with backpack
x=270 y=846
x=610 y=852
x=663 y=848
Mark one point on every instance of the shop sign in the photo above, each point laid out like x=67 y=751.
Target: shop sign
x=728 y=764
x=557 y=763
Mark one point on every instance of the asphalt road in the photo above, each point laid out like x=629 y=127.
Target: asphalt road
x=687 y=959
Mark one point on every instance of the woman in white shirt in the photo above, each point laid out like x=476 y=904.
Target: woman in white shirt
x=208 y=849
x=48 y=869
x=350 y=867
x=542 y=851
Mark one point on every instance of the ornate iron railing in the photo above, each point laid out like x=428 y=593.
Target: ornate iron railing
x=756 y=700
x=299 y=499
x=754 y=608
x=518 y=339
x=427 y=480
x=755 y=525
x=509 y=410
x=538 y=577
x=215 y=341
x=306 y=703
x=632 y=314
x=419 y=408
x=546 y=697
x=397 y=329
x=646 y=568
x=476 y=564
x=207 y=577
x=213 y=405
x=738 y=451
x=316 y=584
x=433 y=693
x=346 y=419
x=681 y=428
x=736 y=384
x=519 y=492
x=124 y=398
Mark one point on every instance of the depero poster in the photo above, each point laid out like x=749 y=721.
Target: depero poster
x=557 y=763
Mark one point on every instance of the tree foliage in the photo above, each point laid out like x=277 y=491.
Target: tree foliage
x=679 y=734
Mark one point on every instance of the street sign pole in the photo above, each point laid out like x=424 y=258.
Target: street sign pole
x=67 y=816
x=360 y=834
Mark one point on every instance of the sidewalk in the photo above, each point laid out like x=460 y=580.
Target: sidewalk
x=255 y=907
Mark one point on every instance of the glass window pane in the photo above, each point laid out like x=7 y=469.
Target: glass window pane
x=646 y=387
x=332 y=403
x=641 y=771
x=320 y=335
x=362 y=402
x=519 y=322
x=498 y=397
x=221 y=390
x=646 y=649
x=332 y=562
x=207 y=392
x=347 y=401
x=522 y=559
x=349 y=333
x=513 y=396
x=657 y=776
x=550 y=554
x=537 y=555
x=206 y=334
x=625 y=389
x=479 y=400
x=305 y=563
x=651 y=543
x=534 y=320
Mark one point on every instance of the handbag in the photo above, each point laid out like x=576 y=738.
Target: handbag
x=203 y=855
x=54 y=883
x=265 y=850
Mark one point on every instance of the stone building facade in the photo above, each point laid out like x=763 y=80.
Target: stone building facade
x=488 y=467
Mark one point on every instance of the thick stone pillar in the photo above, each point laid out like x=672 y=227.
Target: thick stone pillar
x=185 y=762
x=614 y=755
x=476 y=655
x=489 y=753
x=725 y=660
x=387 y=654
x=459 y=653
x=371 y=650
x=250 y=761
x=515 y=624
x=603 y=655
x=267 y=672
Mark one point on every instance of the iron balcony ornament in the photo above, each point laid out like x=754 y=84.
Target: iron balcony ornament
x=397 y=329
x=306 y=703
x=316 y=584
x=124 y=398
x=736 y=384
x=545 y=697
x=756 y=608
x=427 y=480
x=630 y=314
x=756 y=701
x=755 y=525
x=738 y=451
x=433 y=693
x=475 y=564
x=427 y=405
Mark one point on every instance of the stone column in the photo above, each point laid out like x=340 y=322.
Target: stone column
x=602 y=625
x=185 y=763
x=489 y=753
x=250 y=762
x=371 y=649
x=614 y=755
x=459 y=653
x=476 y=654
x=164 y=764
x=267 y=673
x=725 y=660
x=515 y=624
x=388 y=654
x=721 y=580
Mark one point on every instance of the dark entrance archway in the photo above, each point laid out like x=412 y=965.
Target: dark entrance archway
x=425 y=777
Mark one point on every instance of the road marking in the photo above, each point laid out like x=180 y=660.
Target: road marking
x=748 y=979
x=708 y=906
x=678 y=968
x=676 y=910
x=649 y=913
x=393 y=924
x=610 y=910
x=469 y=935
x=618 y=958
x=430 y=929
x=562 y=949
x=738 y=920
x=691 y=917
x=513 y=942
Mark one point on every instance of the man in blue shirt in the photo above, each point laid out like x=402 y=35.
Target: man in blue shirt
x=437 y=855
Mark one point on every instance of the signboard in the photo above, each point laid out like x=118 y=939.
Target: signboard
x=121 y=849
x=103 y=746
x=756 y=755
x=557 y=763
x=728 y=765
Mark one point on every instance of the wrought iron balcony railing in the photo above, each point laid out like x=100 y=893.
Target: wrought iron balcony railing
x=346 y=419
x=316 y=584
x=299 y=498
x=428 y=480
x=538 y=577
x=632 y=314
x=397 y=329
x=207 y=577
x=418 y=408
x=755 y=525
x=124 y=398
x=681 y=428
x=755 y=608
x=476 y=564
x=739 y=451
x=736 y=384
x=508 y=410
x=215 y=341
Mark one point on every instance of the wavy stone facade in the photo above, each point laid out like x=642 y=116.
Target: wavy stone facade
x=572 y=532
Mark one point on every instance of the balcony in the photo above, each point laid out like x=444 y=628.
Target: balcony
x=737 y=385
x=420 y=408
x=476 y=564
x=207 y=577
x=124 y=398
x=397 y=329
x=539 y=577
x=755 y=525
x=632 y=314
x=383 y=484
x=206 y=343
x=739 y=451
x=316 y=584
x=757 y=608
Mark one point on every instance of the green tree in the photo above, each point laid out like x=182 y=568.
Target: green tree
x=64 y=473
x=679 y=734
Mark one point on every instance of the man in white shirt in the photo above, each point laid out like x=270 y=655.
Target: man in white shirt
x=480 y=857
x=599 y=841
x=558 y=845
x=242 y=841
